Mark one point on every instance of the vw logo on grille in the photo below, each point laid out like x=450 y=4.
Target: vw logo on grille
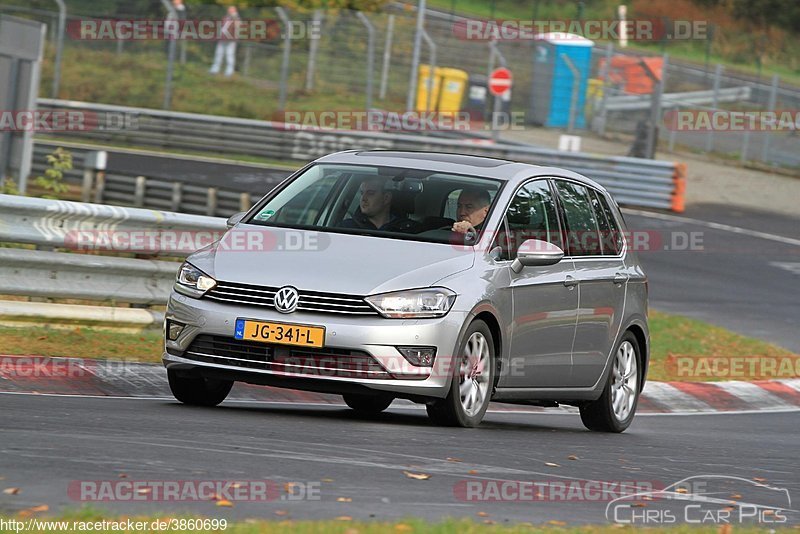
x=286 y=299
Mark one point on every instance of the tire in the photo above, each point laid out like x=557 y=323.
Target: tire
x=472 y=382
x=601 y=415
x=197 y=390
x=368 y=404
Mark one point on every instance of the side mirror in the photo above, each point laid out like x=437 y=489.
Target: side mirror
x=234 y=219
x=536 y=253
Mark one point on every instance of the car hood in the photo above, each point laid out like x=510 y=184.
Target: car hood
x=328 y=262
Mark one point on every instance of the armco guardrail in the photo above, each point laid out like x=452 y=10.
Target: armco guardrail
x=53 y=223
x=633 y=181
x=61 y=224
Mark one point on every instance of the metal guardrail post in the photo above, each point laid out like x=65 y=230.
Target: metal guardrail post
x=413 y=79
x=62 y=23
x=431 y=70
x=494 y=52
x=177 y=196
x=606 y=88
x=173 y=16
x=287 y=50
x=313 y=49
x=387 y=56
x=139 y=191
x=211 y=202
x=94 y=164
x=714 y=104
x=655 y=108
x=370 y=55
x=576 y=83
x=244 y=202
x=773 y=99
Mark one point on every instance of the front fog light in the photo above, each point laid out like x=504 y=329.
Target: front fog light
x=174 y=330
x=419 y=356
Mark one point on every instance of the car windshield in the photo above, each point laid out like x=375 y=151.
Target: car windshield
x=384 y=201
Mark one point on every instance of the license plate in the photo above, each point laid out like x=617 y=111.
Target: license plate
x=280 y=333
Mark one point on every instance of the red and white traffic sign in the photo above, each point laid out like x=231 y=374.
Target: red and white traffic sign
x=500 y=81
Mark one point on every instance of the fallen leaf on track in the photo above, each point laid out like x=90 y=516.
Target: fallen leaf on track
x=224 y=502
x=759 y=479
x=551 y=464
x=281 y=512
x=416 y=476
x=327 y=480
x=483 y=514
x=682 y=491
x=472 y=472
x=35 y=510
x=344 y=499
x=344 y=518
x=11 y=491
x=454 y=460
x=572 y=457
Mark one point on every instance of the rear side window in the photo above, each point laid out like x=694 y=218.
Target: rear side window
x=532 y=215
x=610 y=235
x=583 y=234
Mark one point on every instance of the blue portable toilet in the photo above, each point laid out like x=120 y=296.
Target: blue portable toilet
x=551 y=88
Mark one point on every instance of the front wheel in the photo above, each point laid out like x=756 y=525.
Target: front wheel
x=614 y=410
x=368 y=404
x=472 y=382
x=198 y=390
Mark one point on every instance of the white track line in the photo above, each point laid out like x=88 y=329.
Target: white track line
x=415 y=407
x=716 y=226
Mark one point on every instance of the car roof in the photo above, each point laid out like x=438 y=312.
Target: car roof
x=445 y=162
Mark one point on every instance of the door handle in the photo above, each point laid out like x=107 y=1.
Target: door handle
x=620 y=278
x=570 y=281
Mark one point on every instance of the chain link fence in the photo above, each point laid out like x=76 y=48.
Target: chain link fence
x=365 y=60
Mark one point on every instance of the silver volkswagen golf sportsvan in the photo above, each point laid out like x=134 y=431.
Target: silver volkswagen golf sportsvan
x=449 y=280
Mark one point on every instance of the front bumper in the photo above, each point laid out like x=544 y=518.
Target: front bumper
x=376 y=336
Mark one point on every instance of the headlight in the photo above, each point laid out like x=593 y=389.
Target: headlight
x=192 y=277
x=414 y=304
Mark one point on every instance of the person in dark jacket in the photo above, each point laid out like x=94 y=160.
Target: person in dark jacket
x=375 y=209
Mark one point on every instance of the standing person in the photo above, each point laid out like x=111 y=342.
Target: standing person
x=226 y=43
x=172 y=29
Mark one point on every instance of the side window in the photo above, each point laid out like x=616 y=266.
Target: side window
x=582 y=231
x=610 y=236
x=531 y=215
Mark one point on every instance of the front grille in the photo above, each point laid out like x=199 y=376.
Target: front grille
x=322 y=363
x=311 y=301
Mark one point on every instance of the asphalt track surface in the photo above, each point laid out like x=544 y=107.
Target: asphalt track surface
x=743 y=272
x=49 y=442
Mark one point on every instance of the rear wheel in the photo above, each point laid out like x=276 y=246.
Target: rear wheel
x=614 y=410
x=368 y=404
x=197 y=390
x=473 y=379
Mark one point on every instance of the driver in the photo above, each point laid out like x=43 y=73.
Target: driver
x=473 y=206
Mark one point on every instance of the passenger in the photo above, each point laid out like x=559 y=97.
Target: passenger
x=375 y=209
x=473 y=206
